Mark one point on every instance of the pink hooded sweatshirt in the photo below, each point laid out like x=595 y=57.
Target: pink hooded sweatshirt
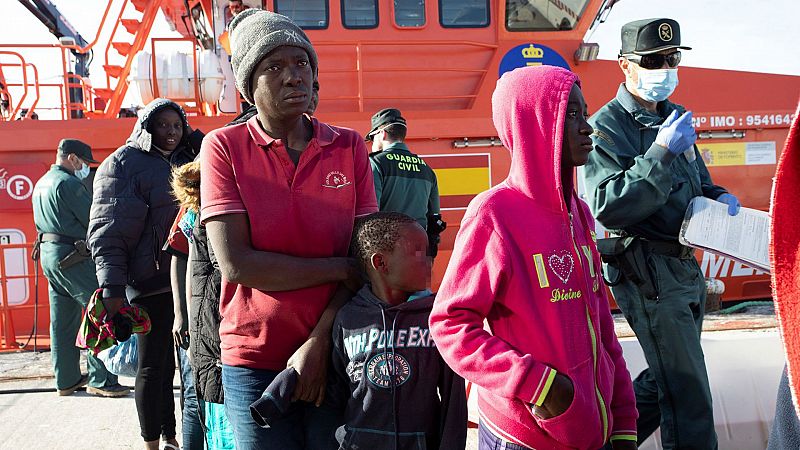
x=530 y=268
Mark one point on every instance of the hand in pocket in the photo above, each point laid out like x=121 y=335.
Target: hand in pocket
x=558 y=399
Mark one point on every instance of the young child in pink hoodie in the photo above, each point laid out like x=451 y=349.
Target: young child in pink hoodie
x=549 y=369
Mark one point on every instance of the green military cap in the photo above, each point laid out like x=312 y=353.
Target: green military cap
x=385 y=117
x=76 y=147
x=643 y=37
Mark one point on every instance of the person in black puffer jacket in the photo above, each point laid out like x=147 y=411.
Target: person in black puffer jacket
x=196 y=326
x=131 y=213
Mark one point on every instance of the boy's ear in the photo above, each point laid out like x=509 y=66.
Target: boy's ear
x=378 y=262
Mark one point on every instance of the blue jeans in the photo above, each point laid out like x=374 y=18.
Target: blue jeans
x=489 y=441
x=298 y=430
x=193 y=436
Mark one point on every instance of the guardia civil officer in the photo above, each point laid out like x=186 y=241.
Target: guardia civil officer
x=644 y=171
x=61 y=205
x=403 y=182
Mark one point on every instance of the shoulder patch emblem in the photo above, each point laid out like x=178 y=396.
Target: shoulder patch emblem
x=604 y=137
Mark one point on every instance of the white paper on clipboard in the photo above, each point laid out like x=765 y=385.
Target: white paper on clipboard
x=743 y=237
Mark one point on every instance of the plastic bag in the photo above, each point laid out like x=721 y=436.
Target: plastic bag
x=122 y=359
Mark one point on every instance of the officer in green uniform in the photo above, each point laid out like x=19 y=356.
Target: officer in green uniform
x=61 y=213
x=639 y=180
x=403 y=182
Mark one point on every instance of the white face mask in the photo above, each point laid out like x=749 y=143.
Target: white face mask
x=83 y=172
x=656 y=85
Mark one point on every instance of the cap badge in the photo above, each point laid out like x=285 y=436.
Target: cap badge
x=665 y=32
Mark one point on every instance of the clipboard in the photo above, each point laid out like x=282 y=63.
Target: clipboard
x=743 y=238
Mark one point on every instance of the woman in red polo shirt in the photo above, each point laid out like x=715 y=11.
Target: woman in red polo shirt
x=279 y=196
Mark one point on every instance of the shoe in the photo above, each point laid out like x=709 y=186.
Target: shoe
x=115 y=390
x=71 y=390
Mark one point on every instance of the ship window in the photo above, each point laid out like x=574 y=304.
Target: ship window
x=308 y=14
x=543 y=15
x=409 y=13
x=464 y=13
x=360 y=13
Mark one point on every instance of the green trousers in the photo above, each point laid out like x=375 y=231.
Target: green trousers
x=673 y=392
x=70 y=291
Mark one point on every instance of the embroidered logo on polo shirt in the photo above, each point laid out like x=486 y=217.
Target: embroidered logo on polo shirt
x=336 y=180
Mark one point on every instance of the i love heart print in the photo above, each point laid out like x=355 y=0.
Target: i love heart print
x=561 y=265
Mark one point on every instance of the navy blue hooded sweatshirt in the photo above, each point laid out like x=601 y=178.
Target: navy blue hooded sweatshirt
x=422 y=405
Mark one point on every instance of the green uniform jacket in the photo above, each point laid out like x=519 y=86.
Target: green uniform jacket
x=61 y=204
x=633 y=184
x=404 y=183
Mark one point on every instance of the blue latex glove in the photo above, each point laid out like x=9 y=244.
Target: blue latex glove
x=677 y=134
x=731 y=201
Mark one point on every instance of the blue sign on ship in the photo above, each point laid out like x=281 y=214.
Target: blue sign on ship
x=531 y=55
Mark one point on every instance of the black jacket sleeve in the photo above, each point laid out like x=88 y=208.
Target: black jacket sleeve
x=338 y=390
x=116 y=223
x=452 y=391
x=195 y=139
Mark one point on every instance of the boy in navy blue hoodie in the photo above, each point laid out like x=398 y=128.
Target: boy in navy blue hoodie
x=387 y=376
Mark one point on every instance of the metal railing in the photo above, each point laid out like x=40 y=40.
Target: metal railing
x=31 y=86
x=89 y=46
x=111 y=39
x=8 y=332
x=69 y=80
x=23 y=65
x=149 y=14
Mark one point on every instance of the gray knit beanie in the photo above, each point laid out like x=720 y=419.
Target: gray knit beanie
x=255 y=33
